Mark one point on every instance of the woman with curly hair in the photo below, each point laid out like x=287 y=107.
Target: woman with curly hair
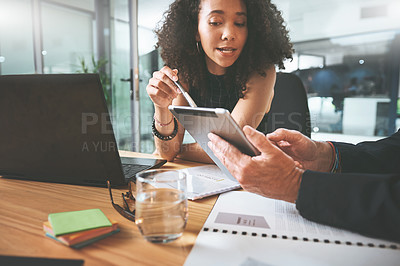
x=224 y=53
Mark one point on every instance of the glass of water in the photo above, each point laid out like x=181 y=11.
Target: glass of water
x=161 y=204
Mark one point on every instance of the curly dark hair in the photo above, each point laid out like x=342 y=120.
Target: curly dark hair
x=267 y=43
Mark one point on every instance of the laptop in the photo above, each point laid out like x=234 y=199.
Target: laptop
x=56 y=128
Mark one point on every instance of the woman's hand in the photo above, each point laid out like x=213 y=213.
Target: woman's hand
x=161 y=87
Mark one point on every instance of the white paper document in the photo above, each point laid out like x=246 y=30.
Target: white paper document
x=207 y=180
x=247 y=229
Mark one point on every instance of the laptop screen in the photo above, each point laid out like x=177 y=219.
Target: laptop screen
x=57 y=128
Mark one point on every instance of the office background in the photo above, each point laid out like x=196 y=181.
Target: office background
x=347 y=55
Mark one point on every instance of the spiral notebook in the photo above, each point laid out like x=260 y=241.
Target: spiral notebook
x=246 y=229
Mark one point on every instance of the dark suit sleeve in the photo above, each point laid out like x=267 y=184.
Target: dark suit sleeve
x=379 y=157
x=365 y=197
x=365 y=203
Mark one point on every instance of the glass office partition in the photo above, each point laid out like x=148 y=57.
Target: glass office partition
x=16 y=37
x=67 y=38
x=352 y=91
x=56 y=36
x=120 y=73
x=148 y=63
x=88 y=5
x=150 y=13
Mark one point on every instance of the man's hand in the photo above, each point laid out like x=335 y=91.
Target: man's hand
x=272 y=174
x=308 y=154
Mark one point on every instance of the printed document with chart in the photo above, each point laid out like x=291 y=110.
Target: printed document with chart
x=247 y=229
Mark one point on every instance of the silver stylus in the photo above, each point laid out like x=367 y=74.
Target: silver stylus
x=186 y=95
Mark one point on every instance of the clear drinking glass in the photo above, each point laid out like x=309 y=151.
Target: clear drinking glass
x=161 y=204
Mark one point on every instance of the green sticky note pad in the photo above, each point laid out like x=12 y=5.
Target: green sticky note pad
x=75 y=221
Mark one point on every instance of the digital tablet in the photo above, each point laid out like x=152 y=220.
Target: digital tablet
x=199 y=121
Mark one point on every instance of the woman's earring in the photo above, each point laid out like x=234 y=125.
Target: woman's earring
x=198 y=49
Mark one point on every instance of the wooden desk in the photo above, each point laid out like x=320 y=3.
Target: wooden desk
x=24 y=205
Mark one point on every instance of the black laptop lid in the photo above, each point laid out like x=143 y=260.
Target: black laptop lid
x=57 y=128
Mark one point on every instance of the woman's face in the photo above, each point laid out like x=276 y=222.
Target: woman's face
x=222 y=31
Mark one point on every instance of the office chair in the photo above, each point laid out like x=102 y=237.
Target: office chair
x=289 y=107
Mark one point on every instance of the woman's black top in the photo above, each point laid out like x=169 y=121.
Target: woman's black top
x=216 y=95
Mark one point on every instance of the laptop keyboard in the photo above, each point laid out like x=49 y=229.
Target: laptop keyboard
x=130 y=170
